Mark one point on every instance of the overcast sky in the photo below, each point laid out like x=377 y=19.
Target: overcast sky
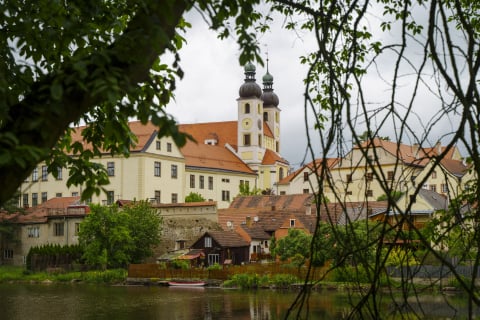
x=213 y=76
x=209 y=89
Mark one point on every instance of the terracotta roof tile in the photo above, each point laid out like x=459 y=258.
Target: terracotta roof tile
x=272 y=157
x=311 y=166
x=213 y=156
x=228 y=239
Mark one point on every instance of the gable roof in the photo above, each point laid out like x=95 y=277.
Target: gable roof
x=414 y=155
x=278 y=202
x=309 y=167
x=272 y=157
x=256 y=232
x=227 y=239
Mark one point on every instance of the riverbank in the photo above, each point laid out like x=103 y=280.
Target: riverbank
x=10 y=274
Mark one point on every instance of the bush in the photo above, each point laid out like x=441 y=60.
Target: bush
x=350 y=274
x=180 y=264
x=214 y=266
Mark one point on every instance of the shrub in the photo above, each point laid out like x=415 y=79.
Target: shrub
x=180 y=264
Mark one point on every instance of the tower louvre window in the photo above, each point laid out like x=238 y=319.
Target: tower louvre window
x=247 y=108
x=246 y=139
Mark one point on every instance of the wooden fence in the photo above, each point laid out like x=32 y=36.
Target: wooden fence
x=158 y=271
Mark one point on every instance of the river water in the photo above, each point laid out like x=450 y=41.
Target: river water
x=81 y=301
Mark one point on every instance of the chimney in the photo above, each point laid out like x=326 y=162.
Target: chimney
x=438 y=147
x=415 y=149
x=308 y=210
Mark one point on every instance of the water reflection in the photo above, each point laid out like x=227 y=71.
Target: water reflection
x=42 y=302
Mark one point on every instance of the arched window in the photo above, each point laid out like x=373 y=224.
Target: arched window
x=247 y=108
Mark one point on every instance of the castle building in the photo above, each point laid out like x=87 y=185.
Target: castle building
x=224 y=156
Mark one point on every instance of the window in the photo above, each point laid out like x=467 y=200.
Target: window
x=225 y=195
x=305 y=176
x=369 y=176
x=208 y=242
x=111 y=168
x=246 y=139
x=59 y=173
x=277 y=146
x=265 y=116
x=213 y=258
x=201 y=182
x=369 y=193
x=180 y=244
x=77 y=228
x=157 y=170
x=277 y=117
x=25 y=200
x=58 y=195
x=226 y=180
x=174 y=172
x=157 y=196
x=158 y=145
x=110 y=197
x=34 y=199
x=444 y=188
x=58 y=229
x=74 y=194
x=349 y=178
x=292 y=223
x=259 y=140
x=349 y=193
x=282 y=193
x=44 y=173
x=434 y=174
x=390 y=175
x=44 y=197
x=210 y=183
x=35 y=174
x=192 y=181
x=247 y=108
x=169 y=147
x=305 y=191
x=433 y=187
x=33 y=232
x=413 y=199
x=280 y=174
x=174 y=198
x=8 y=254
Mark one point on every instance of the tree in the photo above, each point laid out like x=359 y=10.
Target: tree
x=113 y=238
x=65 y=62
x=194 y=197
x=296 y=245
x=97 y=63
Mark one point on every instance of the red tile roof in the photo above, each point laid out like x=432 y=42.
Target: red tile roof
x=317 y=163
x=55 y=207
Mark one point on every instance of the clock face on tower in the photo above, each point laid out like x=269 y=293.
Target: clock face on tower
x=247 y=123
x=259 y=124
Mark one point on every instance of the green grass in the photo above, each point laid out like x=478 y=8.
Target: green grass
x=10 y=273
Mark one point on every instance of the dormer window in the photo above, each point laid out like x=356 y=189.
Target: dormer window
x=292 y=223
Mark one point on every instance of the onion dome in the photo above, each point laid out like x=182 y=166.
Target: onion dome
x=250 y=88
x=268 y=96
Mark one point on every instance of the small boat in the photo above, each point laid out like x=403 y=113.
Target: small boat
x=186 y=283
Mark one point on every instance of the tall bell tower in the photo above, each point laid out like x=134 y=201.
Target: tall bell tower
x=250 y=120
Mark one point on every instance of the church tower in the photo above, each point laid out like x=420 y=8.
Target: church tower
x=271 y=112
x=250 y=120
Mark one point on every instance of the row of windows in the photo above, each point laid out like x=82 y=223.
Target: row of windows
x=58 y=230
x=201 y=182
x=247 y=141
x=44 y=174
x=158 y=146
x=246 y=110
